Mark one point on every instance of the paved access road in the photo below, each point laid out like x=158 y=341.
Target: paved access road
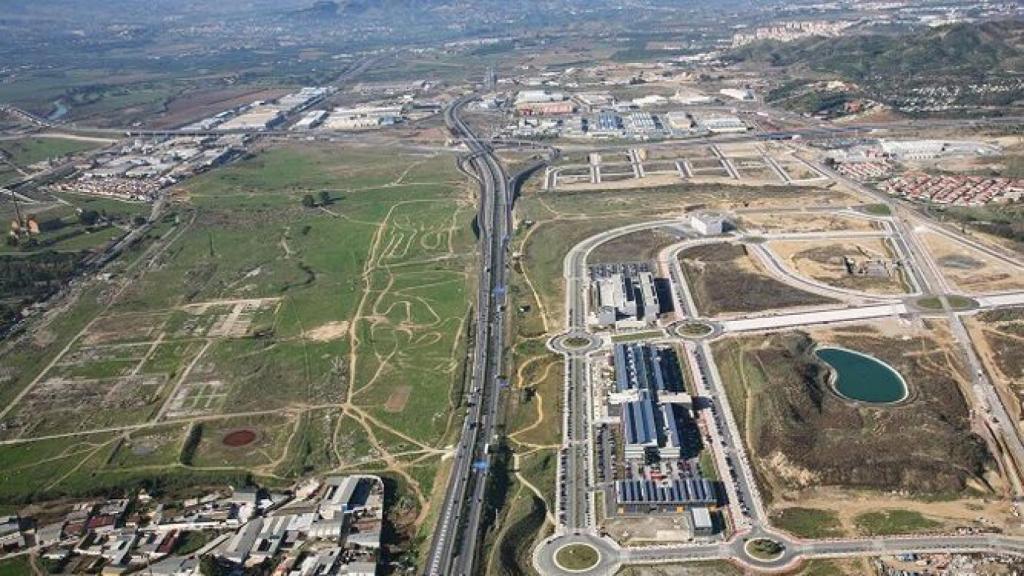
x=575 y=494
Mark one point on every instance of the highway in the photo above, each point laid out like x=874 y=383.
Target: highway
x=454 y=546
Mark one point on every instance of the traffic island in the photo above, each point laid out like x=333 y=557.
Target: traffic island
x=577 y=557
x=693 y=330
x=575 y=343
x=956 y=302
x=764 y=549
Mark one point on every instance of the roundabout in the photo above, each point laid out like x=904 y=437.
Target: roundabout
x=575 y=343
x=582 y=553
x=577 y=557
x=695 y=330
x=764 y=549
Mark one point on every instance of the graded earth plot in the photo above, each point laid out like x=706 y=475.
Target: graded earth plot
x=725 y=279
x=266 y=334
x=998 y=337
x=845 y=461
x=551 y=224
x=740 y=164
x=797 y=222
x=970 y=269
x=861 y=264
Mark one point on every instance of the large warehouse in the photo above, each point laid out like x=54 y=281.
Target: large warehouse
x=644 y=496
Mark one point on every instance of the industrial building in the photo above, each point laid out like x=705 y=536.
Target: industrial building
x=538 y=96
x=624 y=296
x=363 y=117
x=593 y=102
x=719 y=123
x=257 y=118
x=545 y=108
x=645 y=367
x=644 y=496
x=649 y=388
x=744 y=94
x=639 y=430
x=700 y=521
x=641 y=123
x=708 y=223
x=927 y=149
x=679 y=120
x=312 y=119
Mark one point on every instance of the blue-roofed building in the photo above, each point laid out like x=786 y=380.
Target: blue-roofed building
x=639 y=430
x=644 y=496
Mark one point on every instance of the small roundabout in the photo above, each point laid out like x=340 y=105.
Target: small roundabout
x=763 y=549
x=577 y=553
x=577 y=557
x=575 y=343
x=695 y=330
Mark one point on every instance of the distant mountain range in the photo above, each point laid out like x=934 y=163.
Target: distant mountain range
x=956 y=51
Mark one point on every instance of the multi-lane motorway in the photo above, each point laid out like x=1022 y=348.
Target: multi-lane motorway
x=454 y=546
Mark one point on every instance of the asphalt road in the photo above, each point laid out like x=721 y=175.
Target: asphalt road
x=454 y=546
x=573 y=500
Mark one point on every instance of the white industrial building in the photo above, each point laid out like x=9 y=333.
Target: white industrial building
x=650 y=100
x=679 y=120
x=363 y=117
x=311 y=119
x=700 y=521
x=738 y=93
x=720 y=123
x=594 y=101
x=257 y=118
x=625 y=299
x=539 y=96
x=926 y=149
x=708 y=223
x=689 y=97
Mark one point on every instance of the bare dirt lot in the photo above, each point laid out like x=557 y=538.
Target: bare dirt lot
x=968 y=269
x=826 y=262
x=724 y=279
x=804 y=436
x=197 y=105
x=807 y=222
x=998 y=336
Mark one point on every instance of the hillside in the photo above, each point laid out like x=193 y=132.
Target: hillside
x=959 y=50
x=956 y=67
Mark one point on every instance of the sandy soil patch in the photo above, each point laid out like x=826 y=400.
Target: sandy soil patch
x=968 y=269
x=328 y=332
x=848 y=504
x=824 y=261
x=810 y=222
x=398 y=399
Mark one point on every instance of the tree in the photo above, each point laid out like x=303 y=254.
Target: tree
x=308 y=201
x=88 y=217
x=12 y=240
x=210 y=566
x=325 y=198
x=139 y=220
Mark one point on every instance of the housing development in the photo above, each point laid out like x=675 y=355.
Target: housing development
x=297 y=288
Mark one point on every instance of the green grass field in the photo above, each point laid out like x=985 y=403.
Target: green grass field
x=334 y=333
x=893 y=522
x=808 y=522
x=26 y=151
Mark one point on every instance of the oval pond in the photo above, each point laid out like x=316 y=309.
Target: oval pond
x=862 y=377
